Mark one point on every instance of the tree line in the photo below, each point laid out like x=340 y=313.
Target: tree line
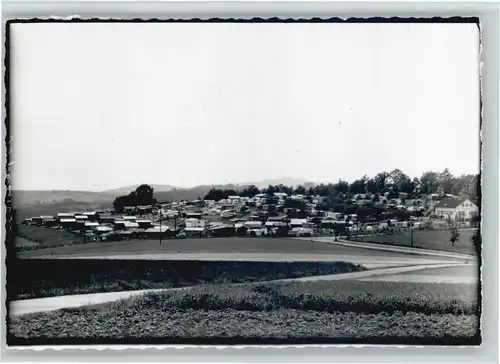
x=385 y=183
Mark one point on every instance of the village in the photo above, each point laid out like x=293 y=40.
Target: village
x=272 y=215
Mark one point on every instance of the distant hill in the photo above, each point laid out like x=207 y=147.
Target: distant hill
x=289 y=182
x=193 y=193
x=63 y=200
x=21 y=198
x=126 y=190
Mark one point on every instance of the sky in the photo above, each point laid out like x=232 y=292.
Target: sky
x=96 y=106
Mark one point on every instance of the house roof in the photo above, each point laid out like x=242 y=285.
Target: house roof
x=253 y=223
x=131 y=224
x=280 y=194
x=157 y=229
x=103 y=228
x=298 y=221
x=220 y=227
x=450 y=203
x=194 y=229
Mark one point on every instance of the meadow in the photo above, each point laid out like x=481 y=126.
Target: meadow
x=42 y=238
x=297 y=312
x=432 y=239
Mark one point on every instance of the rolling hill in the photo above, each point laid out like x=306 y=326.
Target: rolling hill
x=21 y=198
x=32 y=203
x=290 y=182
x=126 y=190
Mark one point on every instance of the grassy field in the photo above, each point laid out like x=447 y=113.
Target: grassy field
x=24 y=212
x=435 y=239
x=35 y=278
x=202 y=246
x=42 y=238
x=335 y=312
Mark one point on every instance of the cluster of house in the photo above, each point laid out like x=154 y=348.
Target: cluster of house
x=210 y=218
x=105 y=226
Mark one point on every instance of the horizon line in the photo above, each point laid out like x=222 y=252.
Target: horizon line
x=211 y=184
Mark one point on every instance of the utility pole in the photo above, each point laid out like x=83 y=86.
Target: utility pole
x=161 y=216
x=411 y=234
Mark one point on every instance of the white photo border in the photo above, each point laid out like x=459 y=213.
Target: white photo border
x=488 y=15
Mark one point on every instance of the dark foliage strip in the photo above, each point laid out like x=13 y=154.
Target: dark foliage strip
x=32 y=278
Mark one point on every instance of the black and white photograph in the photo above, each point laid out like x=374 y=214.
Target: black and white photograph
x=237 y=182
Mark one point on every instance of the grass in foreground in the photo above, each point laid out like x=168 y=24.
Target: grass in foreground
x=342 y=310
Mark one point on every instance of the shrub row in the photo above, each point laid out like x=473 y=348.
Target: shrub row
x=32 y=278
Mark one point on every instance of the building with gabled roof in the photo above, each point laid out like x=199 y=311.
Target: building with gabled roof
x=456 y=209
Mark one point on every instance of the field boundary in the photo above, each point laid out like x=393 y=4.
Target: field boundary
x=39 y=305
x=393 y=248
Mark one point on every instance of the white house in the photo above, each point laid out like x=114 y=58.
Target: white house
x=195 y=223
x=227 y=213
x=333 y=215
x=235 y=200
x=461 y=209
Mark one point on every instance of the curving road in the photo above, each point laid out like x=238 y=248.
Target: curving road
x=386 y=264
x=402 y=274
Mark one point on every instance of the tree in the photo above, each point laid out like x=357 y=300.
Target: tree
x=341 y=187
x=142 y=196
x=230 y=192
x=119 y=204
x=371 y=186
x=358 y=187
x=474 y=189
x=429 y=183
x=381 y=182
x=300 y=190
x=399 y=182
x=455 y=235
x=284 y=189
x=215 y=195
x=446 y=181
x=270 y=190
x=415 y=186
x=250 y=191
